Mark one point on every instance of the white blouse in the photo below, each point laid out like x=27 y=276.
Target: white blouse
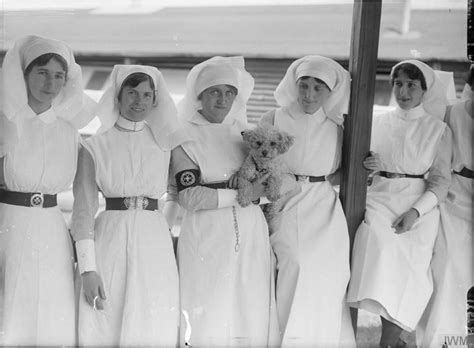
x=45 y=158
x=122 y=162
x=414 y=142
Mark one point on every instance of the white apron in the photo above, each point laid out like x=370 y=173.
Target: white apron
x=390 y=272
x=311 y=242
x=134 y=252
x=37 y=251
x=451 y=266
x=227 y=294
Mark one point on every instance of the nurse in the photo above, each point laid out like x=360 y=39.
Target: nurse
x=452 y=257
x=410 y=160
x=224 y=252
x=130 y=293
x=309 y=236
x=43 y=106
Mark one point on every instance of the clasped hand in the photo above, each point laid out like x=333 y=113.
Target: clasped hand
x=372 y=162
x=258 y=185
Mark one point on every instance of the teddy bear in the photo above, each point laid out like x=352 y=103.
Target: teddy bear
x=266 y=144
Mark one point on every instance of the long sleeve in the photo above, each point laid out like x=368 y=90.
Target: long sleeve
x=85 y=207
x=439 y=176
x=172 y=208
x=196 y=197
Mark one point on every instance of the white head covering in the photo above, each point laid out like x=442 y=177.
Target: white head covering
x=334 y=75
x=218 y=71
x=162 y=118
x=71 y=104
x=435 y=98
x=467 y=90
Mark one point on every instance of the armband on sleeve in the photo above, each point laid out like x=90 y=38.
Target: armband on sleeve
x=187 y=178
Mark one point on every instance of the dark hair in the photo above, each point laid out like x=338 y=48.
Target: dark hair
x=45 y=59
x=133 y=80
x=233 y=88
x=317 y=80
x=470 y=76
x=412 y=71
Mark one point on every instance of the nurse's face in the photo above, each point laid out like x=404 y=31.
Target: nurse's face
x=312 y=94
x=44 y=83
x=407 y=92
x=217 y=101
x=136 y=103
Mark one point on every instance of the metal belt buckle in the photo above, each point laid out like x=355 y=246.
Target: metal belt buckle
x=136 y=203
x=37 y=200
x=303 y=178
x=141 y=203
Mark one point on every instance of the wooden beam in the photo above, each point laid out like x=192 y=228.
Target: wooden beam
x=358 y=124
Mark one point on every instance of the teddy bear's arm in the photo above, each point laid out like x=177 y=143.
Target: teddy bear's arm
x=248 y=169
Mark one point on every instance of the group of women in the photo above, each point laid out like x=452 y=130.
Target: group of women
x=235 y=281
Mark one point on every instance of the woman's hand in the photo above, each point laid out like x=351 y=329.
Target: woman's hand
x=405 y=221
x=233 y=182
x=93 y=289
x=372 y=162
x=258 y=187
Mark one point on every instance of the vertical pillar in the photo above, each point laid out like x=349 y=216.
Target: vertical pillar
x=358 y=124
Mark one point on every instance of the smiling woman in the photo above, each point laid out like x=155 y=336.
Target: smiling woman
x=136 y=97
x=42 y=109
x=224 y=254
x=312 y=250
x=408 y=86
x=410 y=161
x=130 y=291
x=312 y=92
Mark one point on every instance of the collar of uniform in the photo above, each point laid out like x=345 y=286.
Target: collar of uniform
x=131 y=126
x=411 y=114
x=296 y=112
x=48 y=116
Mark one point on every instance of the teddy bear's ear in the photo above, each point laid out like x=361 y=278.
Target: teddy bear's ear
x=247 y=135
x=285 y=142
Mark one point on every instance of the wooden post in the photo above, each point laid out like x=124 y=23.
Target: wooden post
x=358 y=125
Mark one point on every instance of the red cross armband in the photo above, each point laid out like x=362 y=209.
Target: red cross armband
x=187 y=178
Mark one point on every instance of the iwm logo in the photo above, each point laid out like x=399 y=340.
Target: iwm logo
x=457 y=341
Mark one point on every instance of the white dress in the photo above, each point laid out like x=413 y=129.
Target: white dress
x=134 y=252
x=451 y=266
x=390 y=272
x=37 y=251
x=225 y=291
x=310 y=239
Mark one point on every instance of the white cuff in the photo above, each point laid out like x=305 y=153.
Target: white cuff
x=85 y=249
x=425 y=203
x=226 y=198
x=264 y=200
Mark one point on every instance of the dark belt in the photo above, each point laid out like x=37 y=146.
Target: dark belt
x=390 y=175
x=467 y=173
x=28 y=199
x=131 y=203
x=216 y=185
x=309 y=178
